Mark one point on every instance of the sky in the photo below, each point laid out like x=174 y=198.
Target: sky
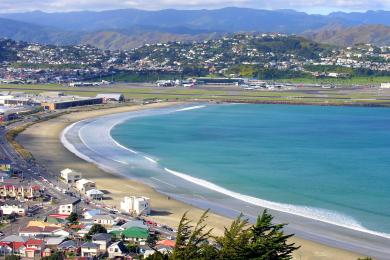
x=310 y=6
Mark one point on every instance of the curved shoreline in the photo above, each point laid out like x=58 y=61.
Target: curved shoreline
x=42 y=139
x=282 y=216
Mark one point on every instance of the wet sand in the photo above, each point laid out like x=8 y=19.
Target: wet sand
x=43 y=141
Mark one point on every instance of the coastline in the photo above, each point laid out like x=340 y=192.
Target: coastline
x=42 y=138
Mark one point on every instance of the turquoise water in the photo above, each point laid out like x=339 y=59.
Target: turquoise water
x=333 y=158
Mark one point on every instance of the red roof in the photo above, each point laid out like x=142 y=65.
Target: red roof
x=61 y=216
x=17 y=245
x=34 y=242
x=5 y=243
x=35 y=229
x=32 y=229
x=167 y=242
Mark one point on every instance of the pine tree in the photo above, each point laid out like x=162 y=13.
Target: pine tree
x=235 y=239
x=191 y=242
x=268 y=240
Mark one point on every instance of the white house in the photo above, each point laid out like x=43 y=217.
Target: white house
x=85 y=185
x=118 y=249
x=137 y=205
x=385 y=85
x=67 y=209
x=89 y=249
x=104 y=220
x=70 y=176
x=10 y=209
x=95 y=194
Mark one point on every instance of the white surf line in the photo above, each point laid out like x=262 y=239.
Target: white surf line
x=286 y=208
x=190 y=108
x=150 y=159
x=122 y=162
x=154 y=178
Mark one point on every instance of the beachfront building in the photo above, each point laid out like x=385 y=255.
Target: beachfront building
x=70 y=176
x=85 y=185
x=95 y=194
x=136 y=205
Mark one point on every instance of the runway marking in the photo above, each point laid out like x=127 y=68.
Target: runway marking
x=163 y=182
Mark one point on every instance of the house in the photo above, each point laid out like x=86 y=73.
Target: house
x=135 y=234
x=35 y=243
x=54 y=242
x=34 y=231
x=85 y=185
x=89 y=249
x=92 y=213
x=70 y=176
x=34 y=248
x=117 y=249
x=14 y=238
x=95 y=194
x=103 y=240
x=136 y=205
x=111 y=97
x=18 y=248
x=8 y=209
x=5 y=165
x=385 y=85
x=5 y=248
x=68 y=208
x=69 y=246
x=104 y=220
x=134 y=223
x=20 y=192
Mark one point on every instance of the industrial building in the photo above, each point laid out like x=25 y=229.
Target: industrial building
x=63 y=103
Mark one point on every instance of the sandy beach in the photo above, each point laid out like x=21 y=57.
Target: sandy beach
x=43 y=141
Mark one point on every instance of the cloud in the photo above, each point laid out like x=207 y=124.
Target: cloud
x=71 y=5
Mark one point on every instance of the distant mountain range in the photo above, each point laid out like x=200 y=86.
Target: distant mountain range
x=129 y=28
x=348 y=36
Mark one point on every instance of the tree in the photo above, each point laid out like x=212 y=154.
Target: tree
x=268 y=240
x=234 y=242
x=191 y=240
x=72 y=218
x=240 y=241
x=96 y=229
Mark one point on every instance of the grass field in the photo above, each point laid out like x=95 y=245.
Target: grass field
x=309 y=95
x=351 y=81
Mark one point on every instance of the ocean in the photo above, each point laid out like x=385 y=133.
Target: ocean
x=326 y=163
